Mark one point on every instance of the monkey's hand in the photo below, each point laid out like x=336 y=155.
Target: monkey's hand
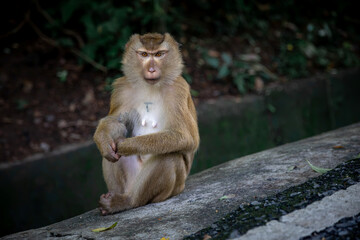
x=107 y=147
x=108 y=135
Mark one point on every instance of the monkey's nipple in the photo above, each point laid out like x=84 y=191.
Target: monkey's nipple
x=153 y=123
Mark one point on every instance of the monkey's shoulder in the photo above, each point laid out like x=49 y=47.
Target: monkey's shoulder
x=181 y=84
x=122 y=87
x=119 y=83
x=181 y=81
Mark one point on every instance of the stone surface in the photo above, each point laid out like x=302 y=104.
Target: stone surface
x=245 y=180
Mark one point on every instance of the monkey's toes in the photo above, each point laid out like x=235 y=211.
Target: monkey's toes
x=106 y=196
x=105 y=203
x=104 y=212
x=111 y=203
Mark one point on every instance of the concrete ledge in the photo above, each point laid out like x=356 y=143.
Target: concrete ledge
x=242 y=180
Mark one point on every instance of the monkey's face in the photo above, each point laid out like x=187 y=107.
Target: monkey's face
x=152 y=63
x=153 y=58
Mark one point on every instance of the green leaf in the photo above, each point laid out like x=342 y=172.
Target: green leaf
x=241 y=64
x=194 y=93
x=291 y=168
x=223 y=72
x=108 y=84
x=62 y=75
x=227 y=58
x=307 y=48
x=90 y=28
x=187 y=78
x=227 y=197
x=21 y=104
x=213 y=62
x=67 y=9
x=318 y=169
x=104 y=228
x=113 y=63
x=271 y=108
x=239 y=81
x=90 y=50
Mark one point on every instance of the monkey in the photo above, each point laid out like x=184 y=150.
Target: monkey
x=150 y=136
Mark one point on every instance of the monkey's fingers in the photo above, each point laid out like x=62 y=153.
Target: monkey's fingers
x=113 y=146
x=111 y=155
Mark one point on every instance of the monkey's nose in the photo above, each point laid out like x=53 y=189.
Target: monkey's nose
x=152 y=70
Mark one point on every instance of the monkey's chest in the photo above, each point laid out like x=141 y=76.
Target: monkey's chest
x=151 y=118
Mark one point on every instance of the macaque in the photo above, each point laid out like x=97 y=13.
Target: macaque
x=150 y=136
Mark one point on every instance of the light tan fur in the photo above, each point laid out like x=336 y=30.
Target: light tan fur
x=150 y=135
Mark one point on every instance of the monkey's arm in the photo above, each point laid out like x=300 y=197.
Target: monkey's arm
x=109 y=131
x=167 y=141
x=113 y=128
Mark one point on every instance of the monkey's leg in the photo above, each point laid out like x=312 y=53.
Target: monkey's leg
x=161 y=177
x=119 y=177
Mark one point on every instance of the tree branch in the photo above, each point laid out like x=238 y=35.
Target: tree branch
x=66 y=31
x=75 y=51
x=17 y=28
x=53 y=42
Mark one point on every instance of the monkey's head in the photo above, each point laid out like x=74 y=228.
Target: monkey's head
x=152 y=57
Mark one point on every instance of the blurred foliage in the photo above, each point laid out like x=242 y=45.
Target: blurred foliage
x=105 y=26
x=62 y=75
x=303 y=35
x=21 y=104
x=315 y=47
x=242 y=69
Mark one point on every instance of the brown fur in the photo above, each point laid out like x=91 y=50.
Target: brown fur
x=152 y=41
x=149 y=167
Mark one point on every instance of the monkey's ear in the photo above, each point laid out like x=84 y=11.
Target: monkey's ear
x=132 y=38
x=171 y=39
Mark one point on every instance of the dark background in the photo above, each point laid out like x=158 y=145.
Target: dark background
x=59 y=58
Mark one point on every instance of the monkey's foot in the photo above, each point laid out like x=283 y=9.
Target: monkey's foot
x=112 y=203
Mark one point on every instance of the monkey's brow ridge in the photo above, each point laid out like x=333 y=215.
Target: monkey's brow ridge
x=153 y=41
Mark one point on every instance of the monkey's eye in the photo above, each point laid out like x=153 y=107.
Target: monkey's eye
x=158 y=54
x=144 y=54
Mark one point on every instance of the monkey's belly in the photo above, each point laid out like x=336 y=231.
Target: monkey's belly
x=151 y=119
x=147 y=127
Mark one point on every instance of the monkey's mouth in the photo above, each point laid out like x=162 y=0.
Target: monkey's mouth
x=152 y=80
